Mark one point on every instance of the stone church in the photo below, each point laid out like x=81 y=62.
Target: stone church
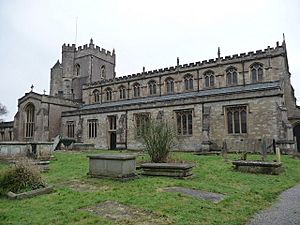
x=245 y=96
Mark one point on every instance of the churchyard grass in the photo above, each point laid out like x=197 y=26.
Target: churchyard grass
x=245 y=193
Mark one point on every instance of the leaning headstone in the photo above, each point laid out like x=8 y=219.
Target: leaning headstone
x=263 y=150
x=224 y=150
x=278 y=154
x=55 y=143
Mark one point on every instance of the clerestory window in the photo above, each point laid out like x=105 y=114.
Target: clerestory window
x=169 y=85
x=136 y=90
x=152 y=87
x=209 y=78
x=188 y=82
x=231 y=76
x=256 y=72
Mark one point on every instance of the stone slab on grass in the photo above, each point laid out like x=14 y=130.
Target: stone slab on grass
x=30 y=194
x=273 y=168
x=204 y=195
x=81 y=186
x=123 y=214
x=179 y=170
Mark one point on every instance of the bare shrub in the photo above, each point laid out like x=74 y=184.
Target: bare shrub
x=158 y=137
x=23 y=176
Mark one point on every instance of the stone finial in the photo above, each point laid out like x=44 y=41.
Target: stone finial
x=177 y=61
x=219 y=53
x=143 y=69
x=32 y=88
x=44 y=92
x=113 y=52
x=91 y=41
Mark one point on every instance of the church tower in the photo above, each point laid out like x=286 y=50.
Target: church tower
x=79 y=66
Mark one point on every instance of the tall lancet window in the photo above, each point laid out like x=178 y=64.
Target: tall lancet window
x=77 y=70
x=29 y=123
x=103 y=72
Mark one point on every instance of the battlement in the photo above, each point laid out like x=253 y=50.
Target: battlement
x=88 y=47
x=252 y=55
x=68 y=47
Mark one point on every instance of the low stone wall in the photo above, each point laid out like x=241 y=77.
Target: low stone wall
x=12 y=149
x=82 y=146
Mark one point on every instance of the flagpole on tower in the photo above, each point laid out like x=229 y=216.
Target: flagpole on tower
x=76 y=30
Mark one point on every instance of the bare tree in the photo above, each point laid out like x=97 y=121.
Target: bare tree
x=3 y=111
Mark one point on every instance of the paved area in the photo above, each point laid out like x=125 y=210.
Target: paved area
x=214 y=197
x=124 y=214
x=285 y=212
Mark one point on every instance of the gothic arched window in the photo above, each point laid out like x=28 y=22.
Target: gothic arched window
x=209 y=78
x=236 y=119
x=256 y=72
x=29 y=123
x=103 y=72
x=136 y=90
x=122 y=92
x=77 y=70
x=169 y=85
x=108 y=92
x=188 y=82
x=152 y=87
x=231 y=76
x=96 y=95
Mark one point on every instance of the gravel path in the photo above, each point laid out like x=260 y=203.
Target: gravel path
x=285 y=212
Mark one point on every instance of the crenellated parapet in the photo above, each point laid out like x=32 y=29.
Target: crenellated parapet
x=268 y=52
x=90 y=49
x=69 y=48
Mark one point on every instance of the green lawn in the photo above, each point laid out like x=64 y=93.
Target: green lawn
x=245 y=193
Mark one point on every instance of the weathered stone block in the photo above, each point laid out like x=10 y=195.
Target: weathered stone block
x=274 y=168
x=167 y=169
x=116 y=166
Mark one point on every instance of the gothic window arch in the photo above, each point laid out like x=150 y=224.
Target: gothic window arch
x=108 y=92
x=209 y=78
x=96 y=95
x=184 y=122
x=29 y=123
x=136 y=90
x=77 y=69
x=103 y=72
x=188 y=82
x=236 y=119
x=152 y=87
x=122 y=92
x=169 y=85
x=231 y=76
x=256 y=72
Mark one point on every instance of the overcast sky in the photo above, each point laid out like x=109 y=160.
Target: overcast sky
x=144 y=33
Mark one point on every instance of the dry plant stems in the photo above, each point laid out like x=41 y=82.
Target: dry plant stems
x=22 y=176
x=158 y=138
